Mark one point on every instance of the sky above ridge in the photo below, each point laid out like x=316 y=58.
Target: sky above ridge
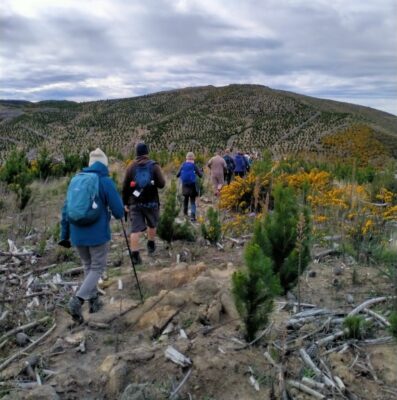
x=103 y=49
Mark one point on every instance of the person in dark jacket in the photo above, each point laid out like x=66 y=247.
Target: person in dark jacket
x=190 y=185
x=92 y=241
x=143 y=206
x=242 y=166
x=230 y=165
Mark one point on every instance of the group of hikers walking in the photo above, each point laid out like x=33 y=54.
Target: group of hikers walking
x=92 y=198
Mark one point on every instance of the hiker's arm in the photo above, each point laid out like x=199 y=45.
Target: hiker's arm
x=158 y=176
x=125 y=192
x=198 y=171
x=65 y=226
x=179 y=172
x=209 y=163
x=114 y=200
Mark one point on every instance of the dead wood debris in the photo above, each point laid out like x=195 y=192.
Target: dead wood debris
x=313 y=347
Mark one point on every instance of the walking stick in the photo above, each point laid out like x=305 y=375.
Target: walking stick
x=132 y=261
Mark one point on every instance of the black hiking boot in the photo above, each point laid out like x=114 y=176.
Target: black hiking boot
x=193 y=218
x=74 y=307
x=94 y=304
x=136 y=258
x=151 y=247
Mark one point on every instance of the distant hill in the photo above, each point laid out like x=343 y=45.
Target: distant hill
x=250 y=117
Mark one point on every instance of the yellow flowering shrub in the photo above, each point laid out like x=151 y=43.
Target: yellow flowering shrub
x=242 y=193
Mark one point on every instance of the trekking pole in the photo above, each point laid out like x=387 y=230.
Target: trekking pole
x=132 y=261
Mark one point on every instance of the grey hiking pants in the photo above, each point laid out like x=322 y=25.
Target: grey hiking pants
x=94 y=262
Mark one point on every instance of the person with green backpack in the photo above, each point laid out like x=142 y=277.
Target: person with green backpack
x=91 y=199
x=188 y=173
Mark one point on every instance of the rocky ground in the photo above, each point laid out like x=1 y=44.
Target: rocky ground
x=127 y=350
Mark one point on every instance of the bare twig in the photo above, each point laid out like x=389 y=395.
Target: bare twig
x=23 y=327
x=22 y=351
x=183 y=381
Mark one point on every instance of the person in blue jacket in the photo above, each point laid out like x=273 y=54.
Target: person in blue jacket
x=92 y=241
x=241 y=165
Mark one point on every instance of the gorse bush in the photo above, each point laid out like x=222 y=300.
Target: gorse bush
x=277 y=237
x=212 y=231
x=254 y=290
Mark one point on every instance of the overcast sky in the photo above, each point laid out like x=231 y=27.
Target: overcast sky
x=81 y=50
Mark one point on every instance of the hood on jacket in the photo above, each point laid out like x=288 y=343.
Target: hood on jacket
x=99 y=168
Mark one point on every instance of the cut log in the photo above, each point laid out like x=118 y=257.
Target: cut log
x=305 y=389
x=368 y=303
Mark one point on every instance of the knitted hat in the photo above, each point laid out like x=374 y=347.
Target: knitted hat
x=190 y=156
x=141 y=149
x=98 y=155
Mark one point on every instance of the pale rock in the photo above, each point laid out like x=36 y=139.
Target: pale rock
x=108 y=363
x=214 y=311
x=228 y=305
x=117 y=379
x=44 y=392
x=204 y=289
x=141 y=391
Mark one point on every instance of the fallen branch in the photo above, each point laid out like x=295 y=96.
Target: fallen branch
x=183 y=381
x=330 y=338
x=27 y=296
x=368 y=303
x=280 y=370
x=313 y=383
x=305 y=389
x=309 y=362
x=377 y=316
x=24 y=350
x=23 y=327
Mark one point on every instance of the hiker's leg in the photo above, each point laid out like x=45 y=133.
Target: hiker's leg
x=85 y=257
x=98 y=254
x=151 y=233
x=185 y=204
x=134 y=241
x=193 y=205
x=137 y=226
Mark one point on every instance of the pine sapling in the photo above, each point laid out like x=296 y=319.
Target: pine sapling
x=254 y=290
x=213 y=230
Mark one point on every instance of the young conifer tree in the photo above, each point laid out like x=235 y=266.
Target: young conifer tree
x=277 y=236
x=254 y=290
x=213 y=230
x=167 y=229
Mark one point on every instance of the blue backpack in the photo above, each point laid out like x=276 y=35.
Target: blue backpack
x=241 y=163
x=188 y=175
x=144 y=175
x=82 y=199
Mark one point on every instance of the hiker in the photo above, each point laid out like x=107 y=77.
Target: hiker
x=190 y=185
x=217 y=165
x=91 y=199
x=230 y=165
x=241 y=163
x=141 y=199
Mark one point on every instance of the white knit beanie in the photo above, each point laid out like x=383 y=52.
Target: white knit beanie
x=98 y=155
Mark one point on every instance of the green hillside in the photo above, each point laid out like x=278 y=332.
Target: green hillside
x=241 y=116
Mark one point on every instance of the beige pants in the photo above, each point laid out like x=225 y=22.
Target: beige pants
x=217 y=182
